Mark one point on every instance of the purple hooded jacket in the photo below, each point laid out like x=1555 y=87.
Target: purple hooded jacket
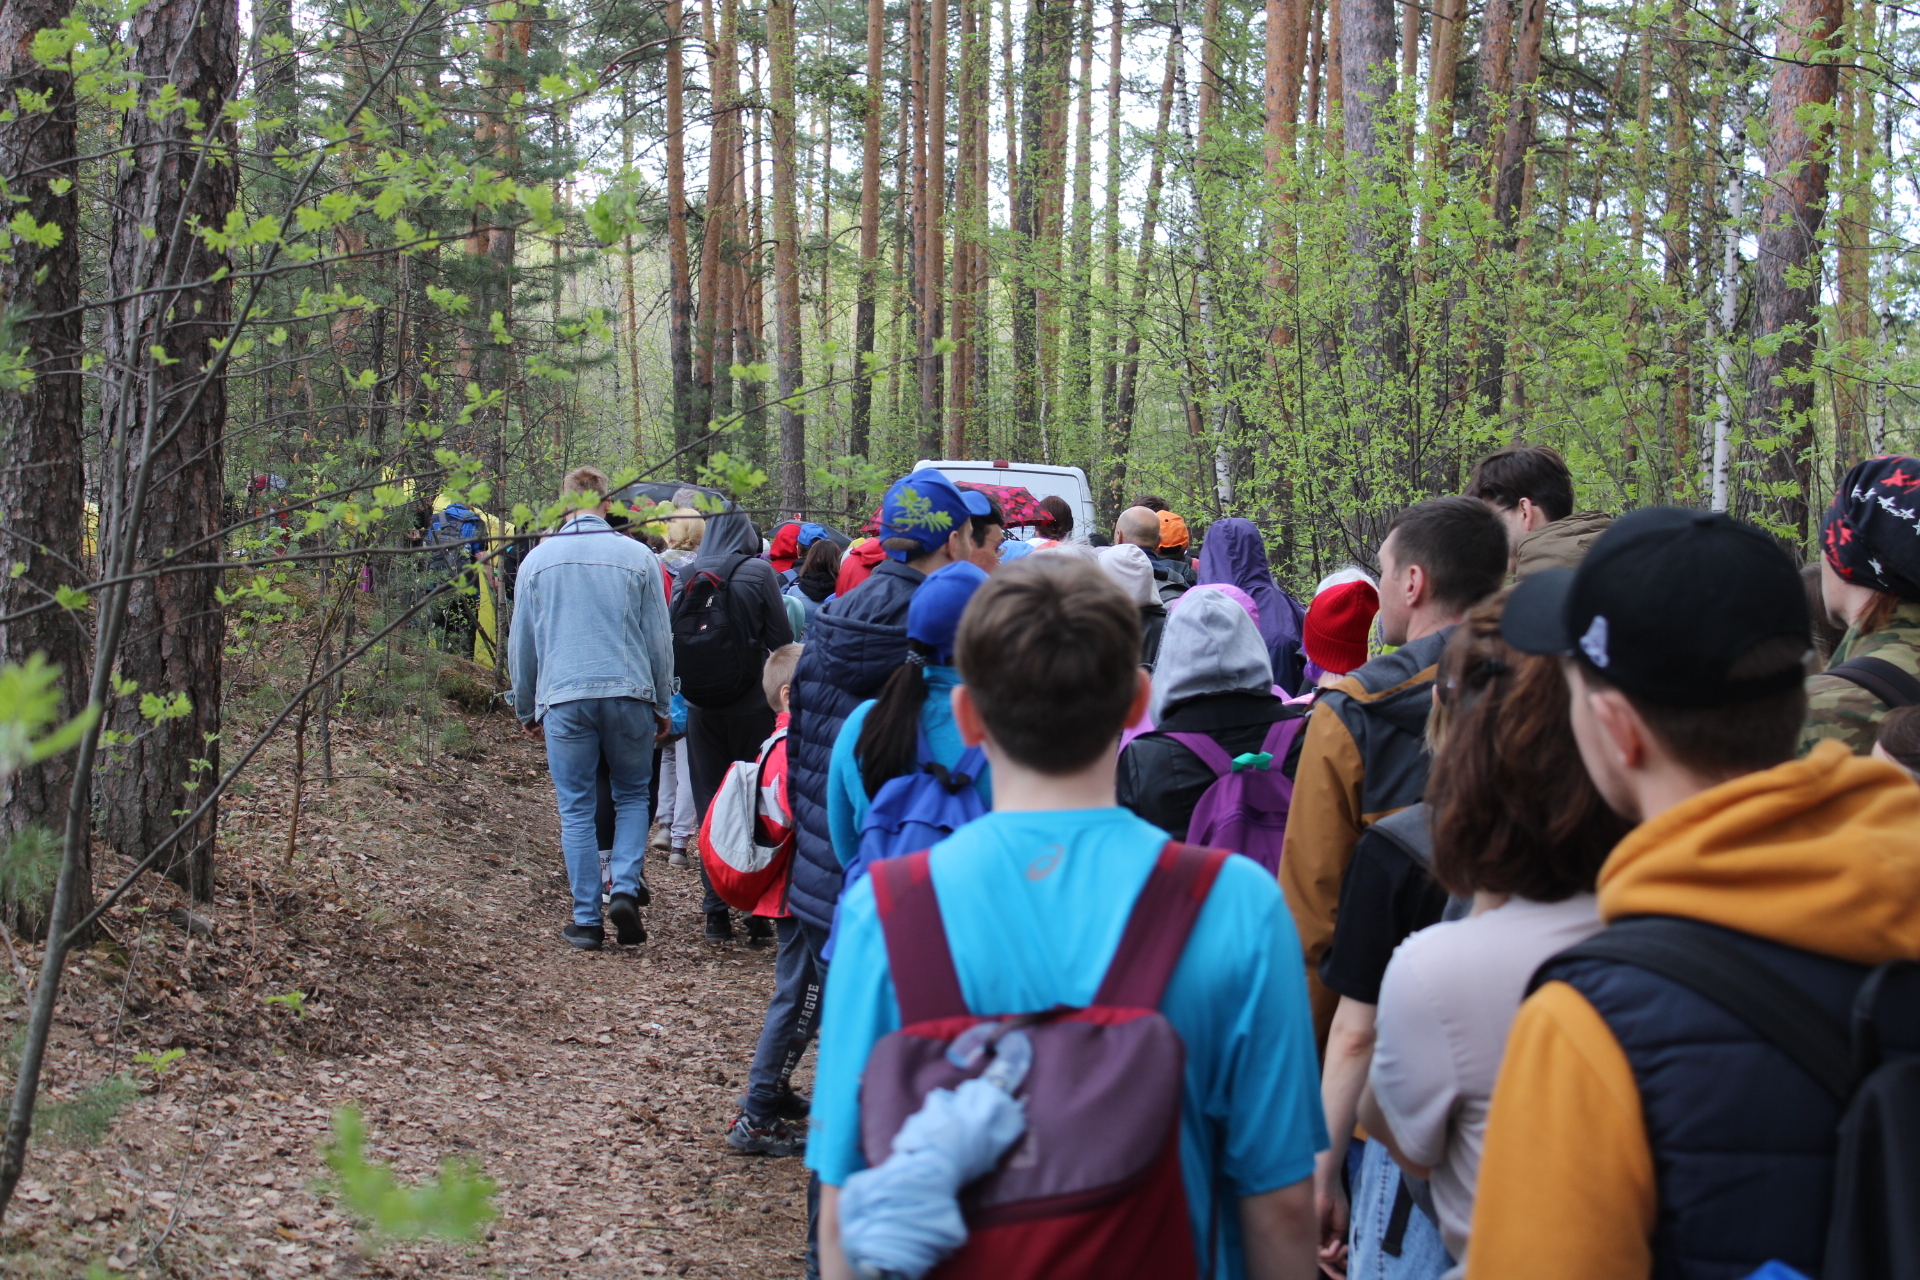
x=1234 y=554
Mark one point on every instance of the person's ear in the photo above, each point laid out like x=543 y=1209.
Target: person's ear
x=960 y=541
x=1622 y=729
x=1142 y=693
x=1417 y=584
x=967 y=718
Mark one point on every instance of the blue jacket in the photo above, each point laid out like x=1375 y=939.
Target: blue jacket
x=853 y=645
x=847 y=799
x=1725 y=1110
x=589 y=621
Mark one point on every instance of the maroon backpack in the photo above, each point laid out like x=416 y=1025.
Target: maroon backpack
x=1093 y=1189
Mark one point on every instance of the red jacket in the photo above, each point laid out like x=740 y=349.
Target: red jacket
x=858 y=564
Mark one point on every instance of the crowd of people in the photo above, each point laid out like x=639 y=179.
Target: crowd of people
x=1540 y=900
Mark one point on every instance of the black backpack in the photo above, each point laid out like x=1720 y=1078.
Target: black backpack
x=1871 y=1067
x=716 y=656
x=1881 y=679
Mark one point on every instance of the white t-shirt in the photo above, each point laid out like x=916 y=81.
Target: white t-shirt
x=1446 y=1004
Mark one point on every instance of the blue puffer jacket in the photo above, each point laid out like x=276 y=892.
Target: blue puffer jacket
x=853 y=644
x=1743 y=1140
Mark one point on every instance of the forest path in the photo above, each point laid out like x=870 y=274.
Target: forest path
x=422 y=928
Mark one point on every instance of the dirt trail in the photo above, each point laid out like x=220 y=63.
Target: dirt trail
x=419 y=923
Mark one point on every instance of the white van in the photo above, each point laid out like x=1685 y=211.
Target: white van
x=1038 y=479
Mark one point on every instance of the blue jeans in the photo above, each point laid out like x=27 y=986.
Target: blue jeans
x=1420 y=1254
x=578 y=733
x=789 y=1025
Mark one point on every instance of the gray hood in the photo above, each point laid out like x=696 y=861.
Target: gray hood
x=1128 y=565
x=1210 y=646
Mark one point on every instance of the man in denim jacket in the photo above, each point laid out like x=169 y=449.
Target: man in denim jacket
x=592 y=657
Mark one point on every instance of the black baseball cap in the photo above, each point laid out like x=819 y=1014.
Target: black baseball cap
x=1665 y=603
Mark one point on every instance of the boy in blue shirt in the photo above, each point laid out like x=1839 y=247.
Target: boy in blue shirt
x=1034 y=897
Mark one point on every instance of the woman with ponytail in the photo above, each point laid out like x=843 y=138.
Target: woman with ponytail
x=880 y=740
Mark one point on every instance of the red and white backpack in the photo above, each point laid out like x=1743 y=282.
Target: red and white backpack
x=741 y=863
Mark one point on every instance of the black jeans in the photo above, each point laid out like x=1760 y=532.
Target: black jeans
x=715 y=739
x=603 y=804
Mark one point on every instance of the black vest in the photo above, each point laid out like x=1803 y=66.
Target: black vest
x=1743 y=1139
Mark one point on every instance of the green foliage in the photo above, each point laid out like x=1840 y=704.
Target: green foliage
x=29 y=865
x=456 y=1206
x=294 y=1001
x=85 y=1119
x=159 y=1063
x=30 y=712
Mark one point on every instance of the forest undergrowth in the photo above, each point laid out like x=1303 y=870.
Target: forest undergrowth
x=404 y=962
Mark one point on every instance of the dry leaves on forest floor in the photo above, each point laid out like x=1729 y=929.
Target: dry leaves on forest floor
x=419 y=923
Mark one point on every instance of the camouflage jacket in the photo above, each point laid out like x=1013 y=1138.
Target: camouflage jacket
x=1838 y=708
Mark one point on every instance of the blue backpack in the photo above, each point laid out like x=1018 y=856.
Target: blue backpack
x=458 y=537
x=912 y=812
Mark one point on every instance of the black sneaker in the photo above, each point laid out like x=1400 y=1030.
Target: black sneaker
x=719 y=927
x=624 y=914
x=642 y=896
x=769 y=1138
x=587 y=937
x=792 y=1106
x=759 y=932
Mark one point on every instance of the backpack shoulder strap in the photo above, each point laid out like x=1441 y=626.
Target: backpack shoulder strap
x=1280 y=739
x=924 y=979
x=1157 y=930
x=1881 y=679
x=1698 y=958
x=1211 y=753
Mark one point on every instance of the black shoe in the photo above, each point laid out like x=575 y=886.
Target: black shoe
x=759 y=932
x=772 y=1137
x=587 y=937
x=642 y=896
x=624 y=914
x=792 y=1106
x=719 y=927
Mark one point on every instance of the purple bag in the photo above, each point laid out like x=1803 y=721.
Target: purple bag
x=1245 y=809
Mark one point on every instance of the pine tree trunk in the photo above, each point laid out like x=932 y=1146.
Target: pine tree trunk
x=41 y=495
x=1786 y=284
x=861 y=424
x=165 y=424
x=1077 y=367
x=680 y=284
x=933 y=309
x=965 y=230
x=1110 y=252
x=1853 y=313
x=786 y=258
x=1126 y=397
x=1376 y=239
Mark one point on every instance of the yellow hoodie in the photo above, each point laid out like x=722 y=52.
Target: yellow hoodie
x=1821 y=854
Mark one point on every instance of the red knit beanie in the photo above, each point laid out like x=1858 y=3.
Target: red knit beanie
x=1335 y=636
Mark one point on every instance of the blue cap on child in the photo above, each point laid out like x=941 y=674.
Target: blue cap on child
x=933 y=616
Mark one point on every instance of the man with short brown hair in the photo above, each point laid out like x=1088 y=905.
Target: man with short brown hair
x=1034 y=897
x=1530 y=487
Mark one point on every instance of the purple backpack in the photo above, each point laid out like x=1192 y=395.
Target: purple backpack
x=1245 y=809
x=1094 y=1189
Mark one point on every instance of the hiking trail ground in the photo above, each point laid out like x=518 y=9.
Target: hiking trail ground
x=418 y=918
